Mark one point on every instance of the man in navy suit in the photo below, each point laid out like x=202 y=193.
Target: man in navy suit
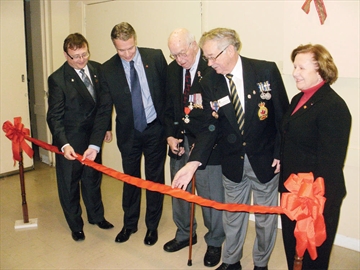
x=74 y=99
x=134 y=80
x=183 y=118
x=244 y=100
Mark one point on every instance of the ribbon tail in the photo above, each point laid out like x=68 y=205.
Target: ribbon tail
x=16 y=151
x=320 y=7
x=306 y=6
x=301 y=237
x=27 y=149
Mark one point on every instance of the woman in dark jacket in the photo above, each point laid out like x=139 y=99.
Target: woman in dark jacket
x=315 y=135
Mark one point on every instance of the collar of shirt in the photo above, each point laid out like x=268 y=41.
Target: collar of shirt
x=193 y=68
x=87 y=72
x=150 y=111
x=136 y=59
x=137 y=64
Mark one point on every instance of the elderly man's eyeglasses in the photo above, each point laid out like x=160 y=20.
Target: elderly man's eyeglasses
x=182 y=55
x=207 y=59
x=78 y=56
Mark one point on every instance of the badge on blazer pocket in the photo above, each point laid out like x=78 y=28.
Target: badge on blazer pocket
x=263 y=111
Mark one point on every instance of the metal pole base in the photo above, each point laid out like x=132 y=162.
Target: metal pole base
x=32 y=224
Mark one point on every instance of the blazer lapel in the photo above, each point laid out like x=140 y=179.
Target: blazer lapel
x=178 y=75
x=250 y=83
x=308 y=105
x=75 y=81
x=94 y=79
x=303 y=110
x=221 y=91
x=148 y=67
x=118 y=77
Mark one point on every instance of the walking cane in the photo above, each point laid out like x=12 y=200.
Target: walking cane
x=191 y=220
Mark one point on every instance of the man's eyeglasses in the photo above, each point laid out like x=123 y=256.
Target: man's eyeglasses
x=78 y=56
x=207 y=59
x=182 y=55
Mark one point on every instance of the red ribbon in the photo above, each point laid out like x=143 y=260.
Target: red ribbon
x=305 y=204
x=320 y=7
x=16 y=133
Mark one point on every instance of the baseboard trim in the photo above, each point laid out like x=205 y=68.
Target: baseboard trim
x=347 y=242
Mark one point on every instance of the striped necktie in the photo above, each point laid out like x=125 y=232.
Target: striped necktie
x=87 y=83
x=239 y=112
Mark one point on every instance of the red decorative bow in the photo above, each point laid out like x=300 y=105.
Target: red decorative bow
x=320 y=7
x=17 y=133
x=305 y=204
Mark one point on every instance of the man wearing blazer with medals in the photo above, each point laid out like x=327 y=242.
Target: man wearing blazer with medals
x=244 y=100
x=183 y=116
x=134 y=82
x=74 y=99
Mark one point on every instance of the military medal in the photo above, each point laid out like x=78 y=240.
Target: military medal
x=197 y=101
x=215 y=106
x=264 y=88
x=191 y=101
x=263 y=111
x=215 y=115
x=187 y=110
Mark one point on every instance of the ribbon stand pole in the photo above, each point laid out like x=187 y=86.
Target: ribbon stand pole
x=25 y=223
x=191 y=221
x=297 y=262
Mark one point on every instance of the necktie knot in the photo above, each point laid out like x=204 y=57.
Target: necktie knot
x=229 y=76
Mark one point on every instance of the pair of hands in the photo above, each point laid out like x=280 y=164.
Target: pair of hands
x=175 y=147
x=90 y=153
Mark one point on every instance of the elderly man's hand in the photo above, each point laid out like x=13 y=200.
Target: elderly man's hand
x=184 y=175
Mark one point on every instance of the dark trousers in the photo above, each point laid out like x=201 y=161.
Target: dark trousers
x=73 y=177
x=331 y=215
x=150 y=143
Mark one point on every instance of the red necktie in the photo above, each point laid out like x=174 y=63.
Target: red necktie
x=187 y=87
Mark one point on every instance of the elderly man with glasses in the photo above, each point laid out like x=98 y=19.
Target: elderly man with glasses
x=244 y=101
x=183 y=116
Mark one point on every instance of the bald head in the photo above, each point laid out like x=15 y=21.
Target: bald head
x=180 y=36
x=183 y=47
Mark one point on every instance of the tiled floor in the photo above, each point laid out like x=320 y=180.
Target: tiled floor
x=50 y=246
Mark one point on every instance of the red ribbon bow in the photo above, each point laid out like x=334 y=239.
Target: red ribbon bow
x=320 y=7
x=17 y=133
x=305 y=204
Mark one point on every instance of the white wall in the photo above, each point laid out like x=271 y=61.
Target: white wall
x=268 y=29
x=13 y=80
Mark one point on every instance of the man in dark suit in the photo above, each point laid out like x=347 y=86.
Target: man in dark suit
x=244 y=100
x=134 y=82
x=183 y=118
x=74 y=92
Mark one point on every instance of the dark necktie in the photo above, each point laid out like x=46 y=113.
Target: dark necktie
x=87 y=83
x=239 y=112
x=137 y=103
x=187 y=87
